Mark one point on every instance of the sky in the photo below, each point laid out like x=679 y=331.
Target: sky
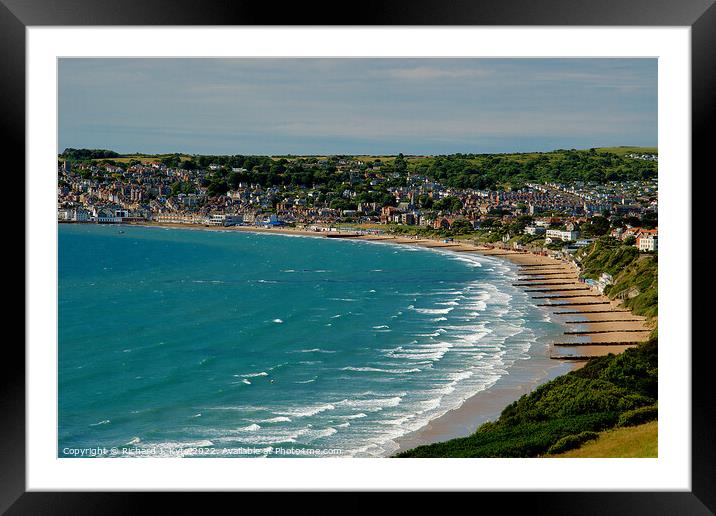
x=355 y=106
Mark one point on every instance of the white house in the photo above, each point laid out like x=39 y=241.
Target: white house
x=64 y=214
x=648 y=243
x=535 y=230
x=604 y=280
x=107 y=216
x=561 y=234
x=224 y=219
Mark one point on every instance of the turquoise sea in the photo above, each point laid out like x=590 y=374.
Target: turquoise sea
x=224 y=343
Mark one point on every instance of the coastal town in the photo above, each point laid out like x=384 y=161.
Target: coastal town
x=394 y=257
x=585 y=249
x=368 y=194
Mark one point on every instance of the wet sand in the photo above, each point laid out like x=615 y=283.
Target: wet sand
x=524 y=376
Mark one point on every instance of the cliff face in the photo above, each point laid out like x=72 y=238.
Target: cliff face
x=635 y=275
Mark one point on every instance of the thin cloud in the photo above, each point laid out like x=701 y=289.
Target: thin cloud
x=275 y=106
x=426 y=73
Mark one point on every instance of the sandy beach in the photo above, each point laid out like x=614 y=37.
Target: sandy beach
x=601 y=322
x=555 y=284
x=594 y=326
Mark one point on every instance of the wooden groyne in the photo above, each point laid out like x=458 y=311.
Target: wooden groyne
x=545 y=265
x=575 y=312
x=543 y=273
x=576 y=304
x=604 y=321
x=596 y=332
x=543 y=284
x=556 y=276
x=540 y=272
x=585 y=344
x=536 y=281
x=566 y=296
x=555 y=289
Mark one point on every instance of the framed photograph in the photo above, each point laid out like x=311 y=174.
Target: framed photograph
x=272 y=251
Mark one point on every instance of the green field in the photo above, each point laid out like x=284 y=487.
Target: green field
x=622 y=150
x=512 y=156
x=140 y=157
x=629 y=442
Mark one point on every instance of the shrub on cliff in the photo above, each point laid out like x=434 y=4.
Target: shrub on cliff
x=571 y=442
x=638 y=416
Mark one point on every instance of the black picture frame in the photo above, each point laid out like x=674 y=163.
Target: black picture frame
x=700 y=15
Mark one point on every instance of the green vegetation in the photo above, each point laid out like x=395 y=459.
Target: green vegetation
x=635 y=441
x=635 y=274
x=606 y=254
x=590 y=399
x=487 y=171
x=639 y=416
x=87 y=154
x=446 y=204
x=460 y=227
x=626 y=149
x=596 y=226
x=491 y=230
x=571 y=442
x=641 y=278
x=182 y=187
x=482 y=171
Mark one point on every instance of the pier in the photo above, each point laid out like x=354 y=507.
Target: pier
x=342 y=235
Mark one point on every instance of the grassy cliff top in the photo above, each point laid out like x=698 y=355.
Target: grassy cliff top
x=629 y=442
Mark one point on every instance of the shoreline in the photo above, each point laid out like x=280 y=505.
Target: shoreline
x=524 y=375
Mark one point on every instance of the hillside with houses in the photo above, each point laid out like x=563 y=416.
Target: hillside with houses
x=558 y=201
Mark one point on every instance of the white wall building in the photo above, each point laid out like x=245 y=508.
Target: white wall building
x=535 y=230
x=649 y=243
x=107 y=217
x=224 y=219
x=561 y=234
x=73 y=215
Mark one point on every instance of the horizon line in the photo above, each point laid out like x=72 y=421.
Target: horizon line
x=181 y=153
